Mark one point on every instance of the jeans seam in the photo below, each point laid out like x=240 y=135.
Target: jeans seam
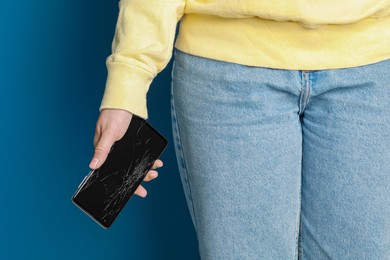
x=299 y=242
x=300 y=248
x=298 y=224
x=305 y=91
x=184 y=165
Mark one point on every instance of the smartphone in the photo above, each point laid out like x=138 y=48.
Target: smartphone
x=104 y=192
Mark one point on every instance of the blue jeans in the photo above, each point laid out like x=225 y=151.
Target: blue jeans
x=284 y=164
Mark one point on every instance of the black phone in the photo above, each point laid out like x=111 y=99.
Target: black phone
x=104 y=192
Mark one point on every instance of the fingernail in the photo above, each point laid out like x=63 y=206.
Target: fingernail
x=94 y=163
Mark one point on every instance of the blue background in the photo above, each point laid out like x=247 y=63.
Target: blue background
x=52 y=75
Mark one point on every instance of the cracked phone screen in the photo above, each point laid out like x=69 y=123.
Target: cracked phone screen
x=106 y=190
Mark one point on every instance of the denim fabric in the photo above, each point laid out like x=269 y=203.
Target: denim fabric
x=284 y=164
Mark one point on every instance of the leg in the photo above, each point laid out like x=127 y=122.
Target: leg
x=346 y=164
x=238 y=143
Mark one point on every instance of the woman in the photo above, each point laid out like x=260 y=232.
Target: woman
x=281 y=120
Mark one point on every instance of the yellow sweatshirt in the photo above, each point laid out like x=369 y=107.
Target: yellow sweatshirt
x=284 y=34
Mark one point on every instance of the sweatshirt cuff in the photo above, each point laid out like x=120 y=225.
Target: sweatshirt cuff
x=126 y=88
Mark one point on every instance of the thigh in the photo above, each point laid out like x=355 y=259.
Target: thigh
x=238 y=143
x=346 y=164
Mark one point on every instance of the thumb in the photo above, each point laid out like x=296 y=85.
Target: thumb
x=102 y=149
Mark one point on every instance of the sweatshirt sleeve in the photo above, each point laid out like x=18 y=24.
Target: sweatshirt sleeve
x=142 y=47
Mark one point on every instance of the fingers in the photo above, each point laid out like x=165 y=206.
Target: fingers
x=102 y=149
x=141 y=191
x=151 y=175
x=96 y=138
x=158 y=163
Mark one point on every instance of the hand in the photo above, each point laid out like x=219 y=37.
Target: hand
x=111 y=126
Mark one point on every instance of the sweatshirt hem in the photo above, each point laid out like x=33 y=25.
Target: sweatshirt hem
x=284 y=45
